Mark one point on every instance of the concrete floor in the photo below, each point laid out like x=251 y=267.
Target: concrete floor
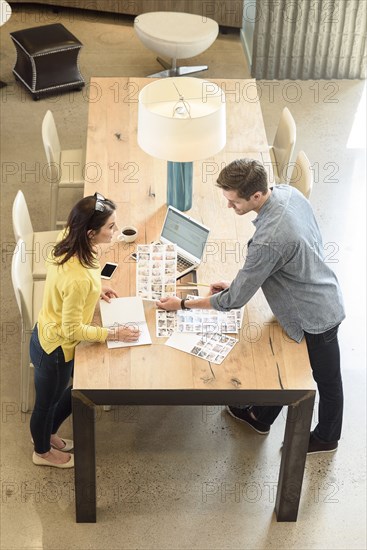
x=181 y=477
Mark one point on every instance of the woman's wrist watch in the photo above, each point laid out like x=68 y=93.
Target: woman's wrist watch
x=183 y=306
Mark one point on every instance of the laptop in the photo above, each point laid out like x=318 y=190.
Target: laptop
x=189 y=235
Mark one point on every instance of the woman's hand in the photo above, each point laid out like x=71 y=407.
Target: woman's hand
x=107 y=293
x=124 y=333
x=218 y=287
x=169 y=304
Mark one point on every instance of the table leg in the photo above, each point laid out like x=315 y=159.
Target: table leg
x=294 y=452
x=84 y=458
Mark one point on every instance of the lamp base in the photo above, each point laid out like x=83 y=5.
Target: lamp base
x=179 y=185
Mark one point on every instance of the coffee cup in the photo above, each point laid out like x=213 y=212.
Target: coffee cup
x=128 y=234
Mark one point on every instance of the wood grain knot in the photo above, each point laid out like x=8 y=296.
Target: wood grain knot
x=236 y=382
x=207 y=379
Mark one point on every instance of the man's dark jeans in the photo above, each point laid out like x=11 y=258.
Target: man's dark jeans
x=53 y=393
x=324 y=354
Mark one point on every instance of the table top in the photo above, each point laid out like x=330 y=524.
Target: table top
x=265 y=358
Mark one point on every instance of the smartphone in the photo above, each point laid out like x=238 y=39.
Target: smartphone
x=108 y=270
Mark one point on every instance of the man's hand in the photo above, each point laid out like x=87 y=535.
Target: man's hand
x=107 y=293
x=169 y=304
x=218 y=287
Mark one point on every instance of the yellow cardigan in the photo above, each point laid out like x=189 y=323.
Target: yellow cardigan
x=69 y=300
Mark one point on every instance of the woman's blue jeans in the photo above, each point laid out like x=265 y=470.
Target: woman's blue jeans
x=53 y=393
x=324 y=354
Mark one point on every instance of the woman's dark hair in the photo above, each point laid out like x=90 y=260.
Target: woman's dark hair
x=90 y=213
x=244 y=176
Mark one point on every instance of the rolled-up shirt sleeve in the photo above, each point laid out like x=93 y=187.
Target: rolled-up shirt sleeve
x=261 y=261
x=73 y=325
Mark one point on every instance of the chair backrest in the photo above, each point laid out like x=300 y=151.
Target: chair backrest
x=22 y=225
x=284 y=142
x=21 y=275
x=51 y=144
x=302 y=176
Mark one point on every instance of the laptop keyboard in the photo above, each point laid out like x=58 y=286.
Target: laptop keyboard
x=182 y=264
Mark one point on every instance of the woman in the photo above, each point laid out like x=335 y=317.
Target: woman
x=72 y=290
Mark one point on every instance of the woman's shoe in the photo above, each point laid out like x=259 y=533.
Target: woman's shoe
x=69 y=445
x=39 y=461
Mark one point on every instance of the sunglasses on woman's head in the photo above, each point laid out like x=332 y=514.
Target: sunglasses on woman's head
x=99 y=202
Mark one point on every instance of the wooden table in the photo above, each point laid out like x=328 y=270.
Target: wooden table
x=264 y=367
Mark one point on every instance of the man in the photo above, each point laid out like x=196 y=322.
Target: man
x=285 y=259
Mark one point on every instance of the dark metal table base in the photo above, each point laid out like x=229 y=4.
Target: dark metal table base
x=300 y=407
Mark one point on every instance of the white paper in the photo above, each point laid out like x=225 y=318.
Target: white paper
x=198 y=321
x=156 y=271
x=125 y=311
x=210 y=320
x=165 y=322
x=211 y=347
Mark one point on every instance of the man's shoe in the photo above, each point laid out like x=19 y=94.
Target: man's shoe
x=244 y=416
x=317 y=446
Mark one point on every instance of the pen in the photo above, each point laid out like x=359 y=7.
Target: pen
x=127 y=324
x=192 y=284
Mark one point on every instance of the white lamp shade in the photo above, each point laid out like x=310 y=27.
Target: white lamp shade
x=201 y=135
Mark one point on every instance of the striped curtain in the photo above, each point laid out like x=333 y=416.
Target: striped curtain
x=309 y=39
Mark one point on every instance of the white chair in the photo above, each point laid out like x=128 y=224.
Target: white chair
x=282 y=149
x=38 y=243
x=302 y=176
x=29 y=295
x=176 y=35
x=66 y=167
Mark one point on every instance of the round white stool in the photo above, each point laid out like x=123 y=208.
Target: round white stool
x=176 y=35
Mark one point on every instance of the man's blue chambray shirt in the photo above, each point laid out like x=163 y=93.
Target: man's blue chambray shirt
x=285 y=259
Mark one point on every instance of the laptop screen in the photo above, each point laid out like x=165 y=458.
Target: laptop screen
x=189 y=235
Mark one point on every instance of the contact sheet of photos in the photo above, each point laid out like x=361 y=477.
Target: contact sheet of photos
x=198 y=321
x=208 y=320
x=165 y=322
x=156 y=271
x=214 y=347
x=211 y=347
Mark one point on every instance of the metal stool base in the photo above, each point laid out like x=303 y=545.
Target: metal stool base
x=173 y=70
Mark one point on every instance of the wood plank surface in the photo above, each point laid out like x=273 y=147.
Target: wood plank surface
x=264 y=358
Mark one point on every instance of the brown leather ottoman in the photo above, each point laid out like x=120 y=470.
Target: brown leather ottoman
x=47 y=59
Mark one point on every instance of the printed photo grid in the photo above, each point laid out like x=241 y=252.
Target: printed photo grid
x=210 y=347
x=198 y=321
x=214 y=347
x=165 y=322
x=156 y=271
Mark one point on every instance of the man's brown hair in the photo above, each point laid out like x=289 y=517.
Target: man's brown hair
x=244 y=176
